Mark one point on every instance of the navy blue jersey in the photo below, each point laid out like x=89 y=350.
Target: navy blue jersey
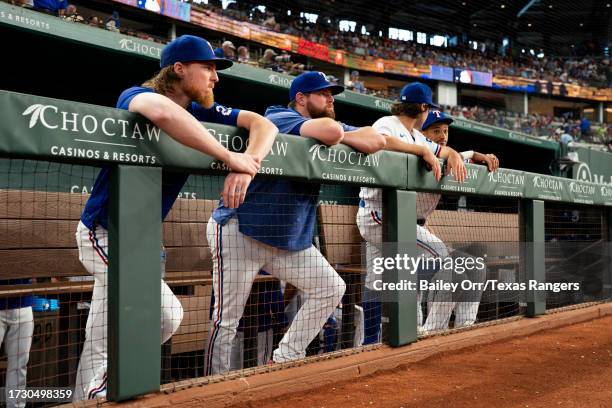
x=96 y=209
x=16 y=302
x=51 y=5
x=280 y=213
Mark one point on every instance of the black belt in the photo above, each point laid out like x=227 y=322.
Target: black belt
x=421 y=221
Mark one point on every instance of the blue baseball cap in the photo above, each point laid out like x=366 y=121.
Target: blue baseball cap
x=436 y=116
x=417 y=92
x=311 y=82
x=187 y=48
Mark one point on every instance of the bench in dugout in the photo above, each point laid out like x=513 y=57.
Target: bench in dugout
x=37 y=241
x=493 y=234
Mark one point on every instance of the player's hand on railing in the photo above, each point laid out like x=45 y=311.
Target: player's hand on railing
x=243 y=163
x=235 y=188
x=455 y=164
x=491 y=161
x=433 y=163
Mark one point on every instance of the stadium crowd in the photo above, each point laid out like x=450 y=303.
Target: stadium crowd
x=581 y=70
x=540 y=125
x=544 y=126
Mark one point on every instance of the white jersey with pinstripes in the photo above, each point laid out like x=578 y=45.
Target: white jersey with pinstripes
x=392 y=126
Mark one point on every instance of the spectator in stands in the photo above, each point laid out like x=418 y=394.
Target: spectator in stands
x=575 y=133
x=563 y=137
x=601 y=133
x=355 y=84
x=23 y=3
x=267 y=60
x=16 y=328
x=94 y=21
x=72 y=15
x=295 y=69
x=243 y=55
x=270 y=22
x=112 y=23
x=227 y=51
x=54 y=7
x=585 y=127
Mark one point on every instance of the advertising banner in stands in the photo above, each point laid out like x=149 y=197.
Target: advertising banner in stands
x=551 y=88
x=398 y=67
x=441 y=73
x=312 y=49
x=467 y=76
x=171 y=8
x=248 y=31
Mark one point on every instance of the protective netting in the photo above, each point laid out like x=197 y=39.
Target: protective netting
x=45 y=293
x=576 y=253
x=268 y=284
x=292 y=301
x=481 y=236
x=248 y=302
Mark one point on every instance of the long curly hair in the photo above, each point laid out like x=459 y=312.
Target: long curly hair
x=163 y=81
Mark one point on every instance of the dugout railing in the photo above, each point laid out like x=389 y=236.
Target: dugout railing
x=65 y=139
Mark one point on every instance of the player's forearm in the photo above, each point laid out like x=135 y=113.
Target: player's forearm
x=177 y=123
x=365 y=139
x=478 y=157
x=185 y=129
x=262 y=133
x=324 y=130
x=396 y=144
x=446 y=151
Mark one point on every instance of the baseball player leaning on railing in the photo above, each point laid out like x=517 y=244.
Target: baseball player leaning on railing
x=175 y=99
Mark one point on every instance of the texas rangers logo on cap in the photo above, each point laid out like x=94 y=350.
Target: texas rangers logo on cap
x=311 y=82
x=436 y=116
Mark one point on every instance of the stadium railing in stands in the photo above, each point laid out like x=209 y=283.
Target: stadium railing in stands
x=504 y=218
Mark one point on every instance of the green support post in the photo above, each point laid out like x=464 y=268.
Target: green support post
x=533 y=262
x=608 y=249
x=399 y=232
x=134 y=272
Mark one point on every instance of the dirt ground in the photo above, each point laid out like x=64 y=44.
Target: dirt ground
x=566 y=367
